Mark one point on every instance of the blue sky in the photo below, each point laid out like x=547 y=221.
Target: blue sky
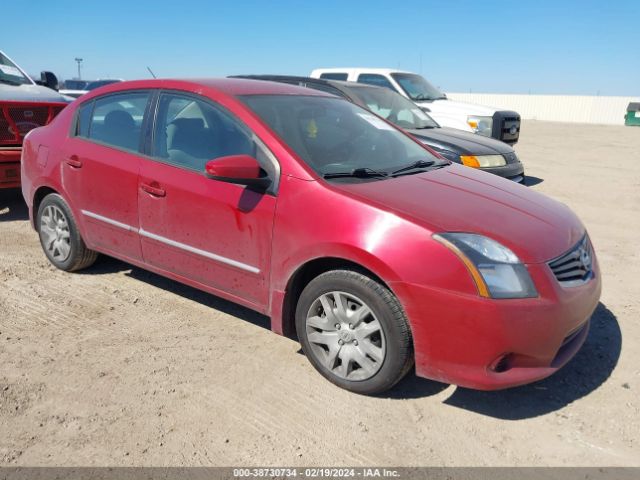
x=537 y=46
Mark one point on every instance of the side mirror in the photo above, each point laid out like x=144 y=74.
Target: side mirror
x=49 y=80
x=240 y=169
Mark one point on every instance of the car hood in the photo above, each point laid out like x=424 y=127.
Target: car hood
x=451 y=107
x=463 y=143
x=461 y=199
x=30 y=93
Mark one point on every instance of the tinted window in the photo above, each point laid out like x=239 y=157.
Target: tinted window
x=334 y=76
x=393 y=107
x=374 y=79
x=333 y=135
x=84 y=119
x=117 y=119
x=99 y=83
x=75 y=84
x=190 y=132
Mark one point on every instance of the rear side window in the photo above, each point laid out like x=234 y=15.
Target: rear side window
x=115 y=120
x=84 y=120
x=375 y=79
x=334 y=76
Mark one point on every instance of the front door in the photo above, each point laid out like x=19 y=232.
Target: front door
x=216 y=233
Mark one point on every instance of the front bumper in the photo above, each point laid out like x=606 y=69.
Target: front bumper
x=489 y=344
x=10 y=167
x=511 y=171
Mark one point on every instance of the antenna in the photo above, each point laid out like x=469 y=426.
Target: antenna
x=151 y=72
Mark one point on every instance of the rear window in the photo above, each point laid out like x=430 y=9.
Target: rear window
x=375 y=79
x=115 y=120
x=334 y=76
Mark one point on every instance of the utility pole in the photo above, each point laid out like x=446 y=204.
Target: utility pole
x=79 y=60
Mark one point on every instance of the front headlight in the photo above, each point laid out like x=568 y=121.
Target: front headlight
x=481 y=125
x=483 y=161
x=496 y=270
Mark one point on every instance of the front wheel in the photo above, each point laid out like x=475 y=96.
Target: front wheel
x=59 y=235
x=354 y=331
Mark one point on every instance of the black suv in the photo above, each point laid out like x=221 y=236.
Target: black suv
x=469 y=149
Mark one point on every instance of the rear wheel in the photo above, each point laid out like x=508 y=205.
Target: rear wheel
x=59 y=235
x=354 y=331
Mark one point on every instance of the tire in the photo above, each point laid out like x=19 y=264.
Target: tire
x=369 y=332
x=59 y=235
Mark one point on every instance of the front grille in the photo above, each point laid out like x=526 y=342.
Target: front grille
x=506 y=126
x=17 y=120
x=574 y=267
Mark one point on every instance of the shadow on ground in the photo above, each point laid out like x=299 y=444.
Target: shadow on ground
x=105 y=265
x=589 y=369
x=12 y=206
x=530 y=181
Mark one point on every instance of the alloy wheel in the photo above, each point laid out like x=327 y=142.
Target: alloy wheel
x=54 y=231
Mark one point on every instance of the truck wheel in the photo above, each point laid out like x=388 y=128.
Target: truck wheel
x=354 y=331
x=59 y=235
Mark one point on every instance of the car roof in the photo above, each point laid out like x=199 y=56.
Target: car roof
x=228 y=86
x=292 y=80
x=341 y=85
x=360 y=70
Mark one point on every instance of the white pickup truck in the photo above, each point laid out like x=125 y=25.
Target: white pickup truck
x=500 y=124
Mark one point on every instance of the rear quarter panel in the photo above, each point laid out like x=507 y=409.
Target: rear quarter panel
x=40 y=164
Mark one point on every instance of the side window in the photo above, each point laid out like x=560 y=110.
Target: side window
x=375 y=79
x=334 y=76
x=116 y=120
x=190 y=132
x=83 y=120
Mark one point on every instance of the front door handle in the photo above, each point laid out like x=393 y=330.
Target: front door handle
x=74 y=161
x=153 y=188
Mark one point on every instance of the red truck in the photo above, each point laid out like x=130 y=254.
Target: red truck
x=24 y=105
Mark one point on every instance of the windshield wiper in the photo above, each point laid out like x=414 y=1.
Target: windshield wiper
x=422 y=96
x=414 y=166
x=363 y=172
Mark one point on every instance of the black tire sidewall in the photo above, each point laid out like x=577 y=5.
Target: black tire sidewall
x=394 y=365
x=75 y=241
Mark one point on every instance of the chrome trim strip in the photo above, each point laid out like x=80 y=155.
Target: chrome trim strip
x=197 y=251
x=115 y=223
x=173 y=243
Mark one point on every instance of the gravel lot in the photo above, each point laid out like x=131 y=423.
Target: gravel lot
x=116 y=366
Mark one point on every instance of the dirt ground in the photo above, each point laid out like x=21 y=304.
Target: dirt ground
x=116 y=366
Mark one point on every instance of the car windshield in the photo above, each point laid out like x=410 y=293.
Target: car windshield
x=100 y=83
x=10 y=73
x=393 y=107
x=417 y=88
x=334 y=136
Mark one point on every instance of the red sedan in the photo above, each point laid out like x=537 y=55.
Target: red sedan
x=368 y=246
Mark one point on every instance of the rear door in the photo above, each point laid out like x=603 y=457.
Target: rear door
x=215 y=233
x=100 y=170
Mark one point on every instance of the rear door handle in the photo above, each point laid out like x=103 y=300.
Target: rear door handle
x=153 y=188
x=74 y=161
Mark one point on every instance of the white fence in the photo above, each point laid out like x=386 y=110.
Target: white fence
x=555 y=108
